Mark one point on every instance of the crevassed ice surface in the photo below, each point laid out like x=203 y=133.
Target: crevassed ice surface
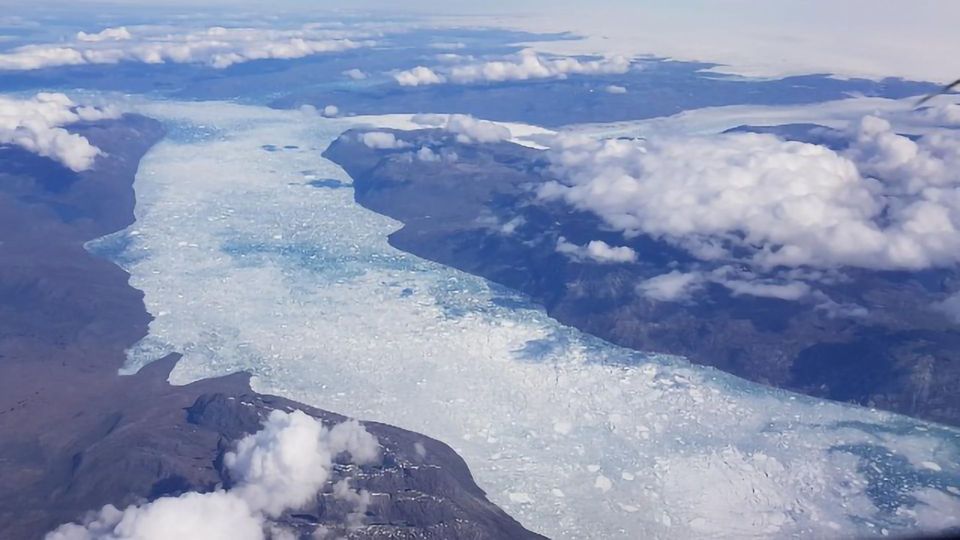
x=246 y=266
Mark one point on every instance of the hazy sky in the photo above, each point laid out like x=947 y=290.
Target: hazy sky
x=872 y=38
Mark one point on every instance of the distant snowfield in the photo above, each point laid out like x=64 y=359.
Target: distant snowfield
x=248 y=267
x=836 y=114
x=871 y=39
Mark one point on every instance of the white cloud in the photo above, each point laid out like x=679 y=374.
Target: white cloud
x=794 y=290
x=529 y=65
x=279 y=468
x=470 y=130
x=453 y=58
x=286 y=463
x=418 y=76
x=523 y=66
x=36 y=125
x=510 y=227
x=467 y=128
x=596 y=250
x=677 y=286
x=216 y=46
x=213 y=516
x=355 y=74
x=331 y=111
x=428 y=155
x=614 y=89
x=837 y=310
x=673 y=286
x=381 y=140
x=947 y=114
x=492 y=222
x=887 y=203
x=950 y=306
x=108 y=34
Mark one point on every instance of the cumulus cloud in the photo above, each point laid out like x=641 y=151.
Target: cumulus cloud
x=530 y=65
x=467 y=128
x=428 y=155
x=36 y=124
x=279 y=468
x=677 y=286
x=524 y=66
x=217 y=47
x=494 y=223
x=793 y=290
x=286 y=463
x=108 y=34
x=470 y=130
x=950 y=307
x=614 y=89
x=215 y=516
x=947 y=114
x=418 y=76
x=886 y=203
x=673 y=286
x=355 y=74
x=381 y=140
x=330 y=111
x=596 y=250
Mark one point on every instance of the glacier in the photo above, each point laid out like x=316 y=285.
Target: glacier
x=247 y=262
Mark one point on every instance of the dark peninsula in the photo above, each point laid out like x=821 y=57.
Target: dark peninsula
x=901 y=356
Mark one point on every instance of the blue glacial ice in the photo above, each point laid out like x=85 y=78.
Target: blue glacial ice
x=248 y=266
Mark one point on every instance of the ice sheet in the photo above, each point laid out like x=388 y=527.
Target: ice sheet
x=838 y=114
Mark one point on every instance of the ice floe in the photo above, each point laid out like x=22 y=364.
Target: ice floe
x=248 y=266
